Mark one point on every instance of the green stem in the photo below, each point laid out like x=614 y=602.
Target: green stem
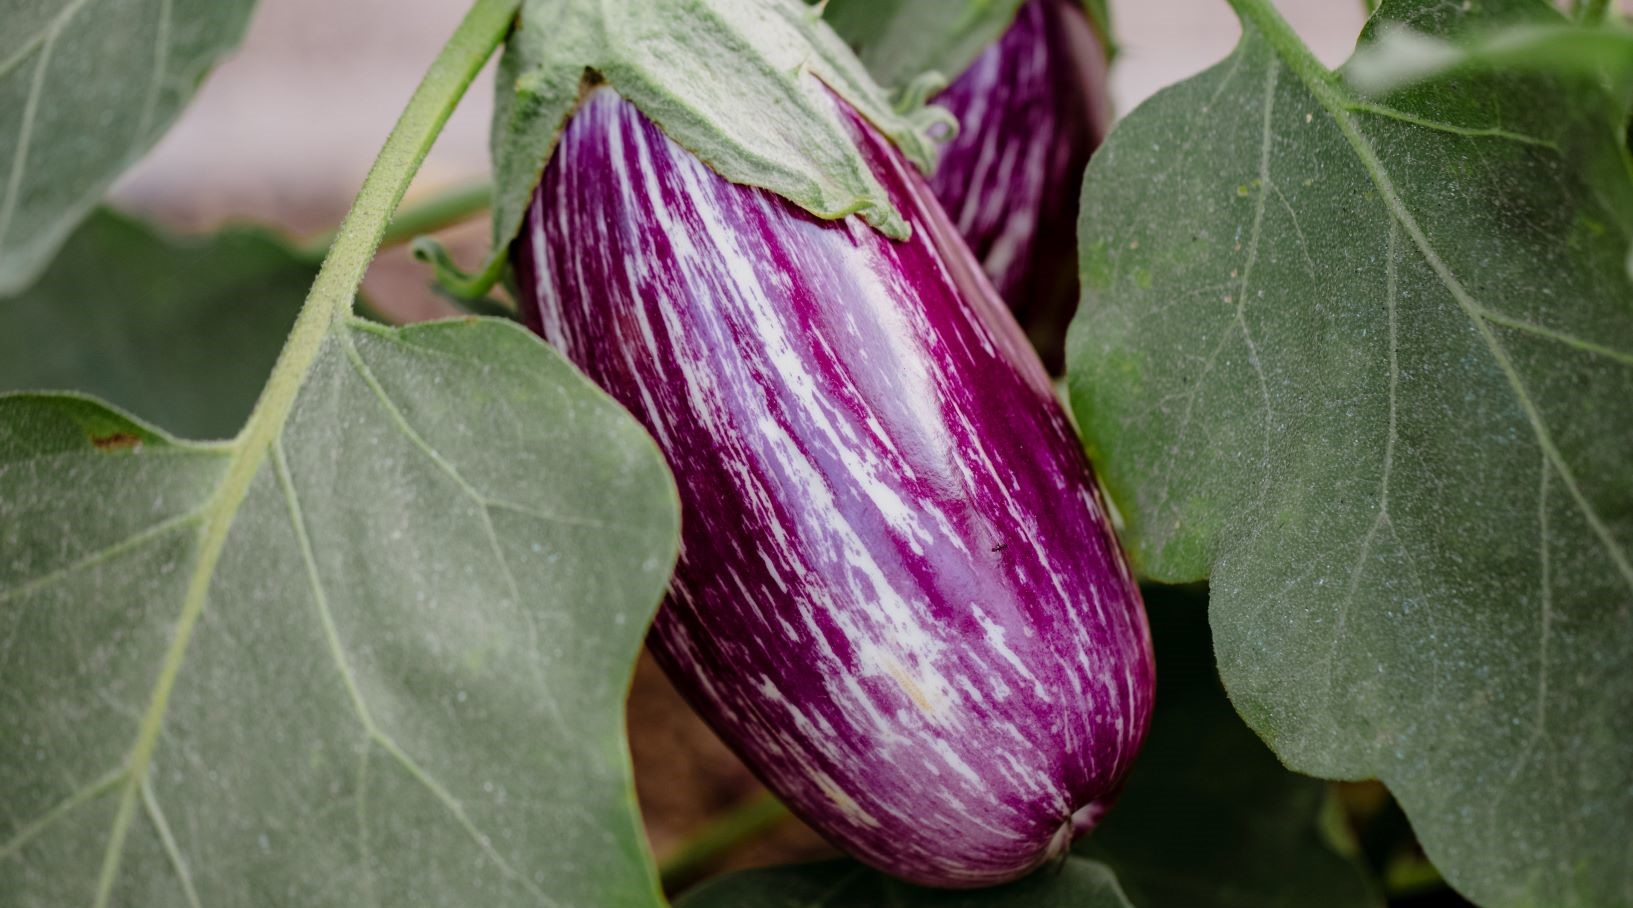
x=717 y=839
x=1288 y=45
x=360 y=233
x=442 y=209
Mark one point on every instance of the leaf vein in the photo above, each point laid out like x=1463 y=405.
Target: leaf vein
x=1329 y=97
x=1553 y=334
x=25 y=131
x=320 y=595
x=365 y=857
x=457 y=809
x=1492 y=132
x=337 y=652
x=372 y=382
x=114 y=550
x=172 y=851
x=61 y=809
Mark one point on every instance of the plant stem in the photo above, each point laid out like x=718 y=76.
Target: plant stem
x=441 y=209
x=722 y=835
x=364 y=226
x=1262 y=15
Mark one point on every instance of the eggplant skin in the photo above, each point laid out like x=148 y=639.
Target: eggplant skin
x=1031 y=110
x=898 y=596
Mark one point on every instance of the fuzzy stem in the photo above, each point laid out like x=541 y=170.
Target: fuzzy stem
x=437 y=211
x=360 y=233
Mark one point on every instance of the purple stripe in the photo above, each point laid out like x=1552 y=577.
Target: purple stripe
x=1031 y=109
x=898 y=597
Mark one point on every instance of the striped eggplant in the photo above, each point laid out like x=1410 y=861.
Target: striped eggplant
x=898 y=596
x=1031 y=109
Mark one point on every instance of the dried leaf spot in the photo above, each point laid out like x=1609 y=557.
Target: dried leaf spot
x=116 y=441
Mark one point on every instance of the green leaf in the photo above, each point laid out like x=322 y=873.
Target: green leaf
x=738 y=82
x=400 y=680
x=1364 y=362
x=373 y=650
x=1074 y=883
x=1401 y=56
x=182 y=331
x=899 y=40
x=1210 y=818
x=87 y=87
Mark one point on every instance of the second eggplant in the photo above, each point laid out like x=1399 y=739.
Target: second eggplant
x=1031 y=110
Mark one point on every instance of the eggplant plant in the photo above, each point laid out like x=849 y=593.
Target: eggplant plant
x=301 y=607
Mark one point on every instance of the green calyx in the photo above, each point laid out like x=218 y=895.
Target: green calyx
x=739 y=83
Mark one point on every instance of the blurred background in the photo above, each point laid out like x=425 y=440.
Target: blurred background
x=284 y=131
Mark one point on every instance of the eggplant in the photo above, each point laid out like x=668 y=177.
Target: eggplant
x=898 y=596
x=1031 y=110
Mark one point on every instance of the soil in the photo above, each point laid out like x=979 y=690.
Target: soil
x=685 y=775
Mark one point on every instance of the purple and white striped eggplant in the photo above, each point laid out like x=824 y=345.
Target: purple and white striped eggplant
x=1031 y=109
x=898 y=597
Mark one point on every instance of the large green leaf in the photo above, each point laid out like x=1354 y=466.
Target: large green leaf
x=86 y=87
x=400 y=677
x=1074 y=883
x=1210 y=818
x=373 y=650
x=181 y=331
x=1366 y=364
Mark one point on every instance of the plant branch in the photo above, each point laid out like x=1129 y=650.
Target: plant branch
x=364 y=226
x=439 y=210
x=720 y=837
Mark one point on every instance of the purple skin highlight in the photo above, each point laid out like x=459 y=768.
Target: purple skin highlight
x=898 y=597
x=1031 y=109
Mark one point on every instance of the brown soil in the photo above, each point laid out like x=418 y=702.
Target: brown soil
x=684 y=776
